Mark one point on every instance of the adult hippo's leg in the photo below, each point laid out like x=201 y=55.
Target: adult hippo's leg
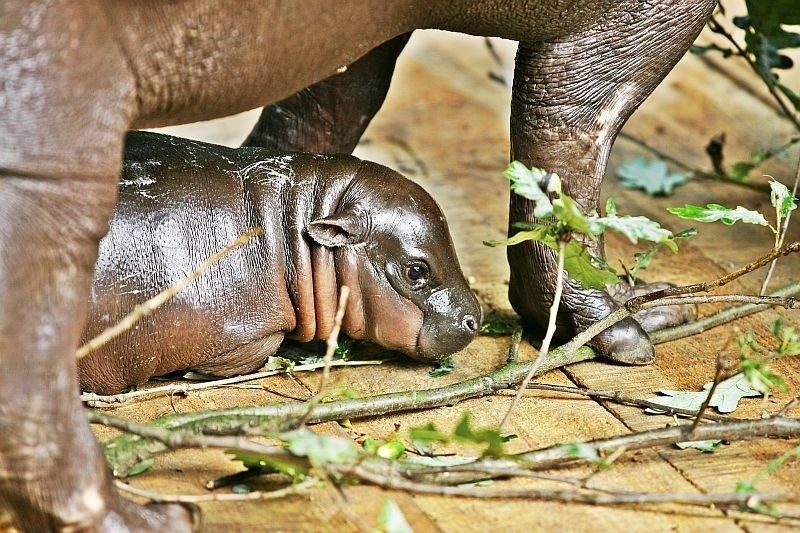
x=60 y=153
x=570 y=99
x=330 y=116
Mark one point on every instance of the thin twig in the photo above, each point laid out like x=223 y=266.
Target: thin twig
x=637 y=302
x=716 y=27
x=128 y=452
x=548 y=337
x=563 y=455
x=791 y=404
x=225 y=497
x=389 y=481
x=623 y=399
x=144 y=309
x=513 y=347
x=785 y=302
x=333 y=337
x=720 y=317
x=178 y=439
x=719 y=372
x=183 y=388
x=784 y=229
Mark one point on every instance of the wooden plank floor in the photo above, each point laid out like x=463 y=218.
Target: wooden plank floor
x=445 y=126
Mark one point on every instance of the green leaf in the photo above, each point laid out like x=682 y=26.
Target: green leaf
x=275 y=362
x=587 y=269
x=582 y=450
x=497 y=325
x=423 y=436
x=391 y=450
x=634 y=228
x=651 y=176
x=714 y=212
x=788 y=339
x=739 y=171
x=489 y=436
x=320 y=449
x=760 y=376
x=344 y=348
x=700 y=50
x=539 y=233
x=745 y=487
x=294 y=468
x=443 y=367
x=725 y=400
x=569 y=214
x=705 y=446
x=793 y=97
x=781 y=198
x=370 y=445
x=141 y=467
x=642 y=260
x=391 y=518
x=526 y=183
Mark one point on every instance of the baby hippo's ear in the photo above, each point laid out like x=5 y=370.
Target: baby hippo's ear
x=338 y=229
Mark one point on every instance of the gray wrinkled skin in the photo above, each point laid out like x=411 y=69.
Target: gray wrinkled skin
x=328 y=221
x=74 y=76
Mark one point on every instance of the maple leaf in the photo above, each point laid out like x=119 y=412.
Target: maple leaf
x=725 y=400
x=651 y=176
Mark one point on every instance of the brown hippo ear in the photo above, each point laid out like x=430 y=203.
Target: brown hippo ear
x=337 y=230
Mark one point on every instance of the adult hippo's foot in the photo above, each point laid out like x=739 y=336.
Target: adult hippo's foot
x=570 y=98
x=655 y=318
x=624 y=342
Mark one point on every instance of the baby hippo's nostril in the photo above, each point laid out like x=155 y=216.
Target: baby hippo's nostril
x=470 y=323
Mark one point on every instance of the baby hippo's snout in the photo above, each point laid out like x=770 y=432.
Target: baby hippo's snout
x=451 y=320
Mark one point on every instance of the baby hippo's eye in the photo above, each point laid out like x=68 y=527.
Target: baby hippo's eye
x=417 y=272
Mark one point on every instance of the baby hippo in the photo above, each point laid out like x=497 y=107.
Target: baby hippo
x=328 y=221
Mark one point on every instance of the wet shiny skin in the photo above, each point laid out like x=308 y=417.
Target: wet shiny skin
x=327 y=221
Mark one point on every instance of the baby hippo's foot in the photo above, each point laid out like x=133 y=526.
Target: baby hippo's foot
x=655 y=318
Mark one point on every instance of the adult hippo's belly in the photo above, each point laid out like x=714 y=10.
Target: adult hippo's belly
x=327 y=221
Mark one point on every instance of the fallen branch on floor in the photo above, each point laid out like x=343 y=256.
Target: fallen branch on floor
x=126 y=451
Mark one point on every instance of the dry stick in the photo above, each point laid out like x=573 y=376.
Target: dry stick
x=791 y=404
x=622 y=398
x=564 y=496
x=786 y=302
x=126 y=451
x=784 y=229
x=719 y=371
x=561 y=454
x=221 y=497
x=333 y=337
x=637 y=303
x=548 y=337
x=176 y=439
x=144 y=309
x=182 y=388
x=720 y=317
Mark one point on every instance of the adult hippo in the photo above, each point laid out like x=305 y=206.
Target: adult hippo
x=328 y=221
x=75 y=76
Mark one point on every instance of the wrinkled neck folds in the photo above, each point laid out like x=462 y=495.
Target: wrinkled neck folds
x=313 y=275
